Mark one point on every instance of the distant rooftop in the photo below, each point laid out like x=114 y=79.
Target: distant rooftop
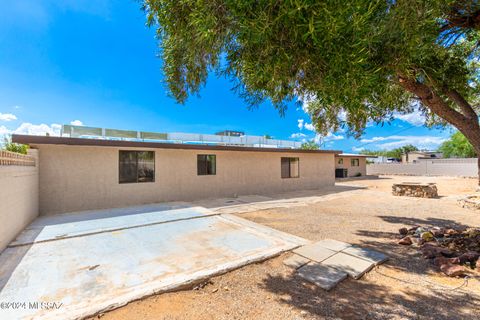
x=224 y=138
x=355 y=155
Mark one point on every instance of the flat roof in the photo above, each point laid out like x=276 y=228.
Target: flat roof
x=352 y=155
x=36 y=140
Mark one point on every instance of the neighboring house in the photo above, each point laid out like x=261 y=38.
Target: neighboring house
x=382 y=159
x=414 y=156
x=82 y=174
x=351 y=165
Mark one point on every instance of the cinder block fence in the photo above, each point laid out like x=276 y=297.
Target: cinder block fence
x=18 y=193
x=465 y=167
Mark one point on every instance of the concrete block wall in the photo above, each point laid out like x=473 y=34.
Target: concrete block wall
x=438 y=167
x=19 y=191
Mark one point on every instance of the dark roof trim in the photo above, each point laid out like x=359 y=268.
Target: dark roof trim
x=35 y=140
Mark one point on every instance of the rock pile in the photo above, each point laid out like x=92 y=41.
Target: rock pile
x=454 y=251
x=412 y=189
x=470 y=202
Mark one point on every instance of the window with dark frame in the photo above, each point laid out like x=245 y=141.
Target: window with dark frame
x=340 y=161
x=355 y=162
x=136 y=166
x=206 y=164
x=290 y=167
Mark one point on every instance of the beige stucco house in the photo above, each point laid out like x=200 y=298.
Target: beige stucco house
x=82 y=174
x=350 y=165
x=414 y=156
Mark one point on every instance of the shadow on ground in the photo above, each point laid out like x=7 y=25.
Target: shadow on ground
x=275 y=199
x=360 y=299
x=404 y=258
x=427 y=222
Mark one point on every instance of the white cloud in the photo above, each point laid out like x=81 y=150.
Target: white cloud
x=297 y=135
x=300 y=123
x=396 y=141
x=76 y=123
x=329 y=137
x=415 y=118
x=4 y=130
x=305 y=100
x=7 y=117
x=376 y=139
x=309 y=126
x=38 y=129
x=358 y=149
x=333 y=137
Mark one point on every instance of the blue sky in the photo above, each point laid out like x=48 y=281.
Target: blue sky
x=95 y=63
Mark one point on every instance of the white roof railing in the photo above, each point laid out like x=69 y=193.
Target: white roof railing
x=175 y=137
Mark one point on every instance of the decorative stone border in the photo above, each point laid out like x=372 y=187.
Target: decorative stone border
x=470 y=202
x=415 y=189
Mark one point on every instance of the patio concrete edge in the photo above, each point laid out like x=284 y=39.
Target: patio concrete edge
x=176 y=284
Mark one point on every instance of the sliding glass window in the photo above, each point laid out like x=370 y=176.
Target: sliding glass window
x=136 y=166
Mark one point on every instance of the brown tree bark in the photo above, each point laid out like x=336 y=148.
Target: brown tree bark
x=465 y=120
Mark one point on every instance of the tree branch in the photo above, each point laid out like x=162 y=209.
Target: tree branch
x=432 y=100
x=466 y=108
x=463 y=15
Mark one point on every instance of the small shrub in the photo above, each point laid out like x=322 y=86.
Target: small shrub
x=15 y=147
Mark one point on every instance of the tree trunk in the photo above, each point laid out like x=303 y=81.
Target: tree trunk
x=465 y=121
x=478 y=168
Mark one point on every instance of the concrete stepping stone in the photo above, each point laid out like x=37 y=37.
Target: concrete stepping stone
x=314 y=252
x=353 y=266
x=333 y=244
x=323 y=276
x=372 y=256
x=296 y=261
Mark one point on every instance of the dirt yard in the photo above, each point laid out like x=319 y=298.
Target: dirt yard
x=362 y=212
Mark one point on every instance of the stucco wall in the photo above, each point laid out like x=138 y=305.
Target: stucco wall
x=18 y=200
x=352 y=171
x=74 y=178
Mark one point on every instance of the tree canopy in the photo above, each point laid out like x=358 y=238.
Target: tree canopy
x=14 y=147
x=310 y=145
x=341 y=56
x=457 y=147
x=394 y=153
x=352 y=62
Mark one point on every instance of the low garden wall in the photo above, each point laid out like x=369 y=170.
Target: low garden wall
x=18 y=193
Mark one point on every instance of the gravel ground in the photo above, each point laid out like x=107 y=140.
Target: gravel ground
x=406 y=287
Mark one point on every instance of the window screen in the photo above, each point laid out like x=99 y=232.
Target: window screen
x=206 y=164
x=354 y=162
x=290 y=167
x=136 y=166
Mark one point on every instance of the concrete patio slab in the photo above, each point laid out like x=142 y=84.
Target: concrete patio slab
x=334 y=245
x=314 y=252
x=323 y=276
x=372 y=256
x=296 y=261
x=100 y=269
x=353 y=266
x=53 y=227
